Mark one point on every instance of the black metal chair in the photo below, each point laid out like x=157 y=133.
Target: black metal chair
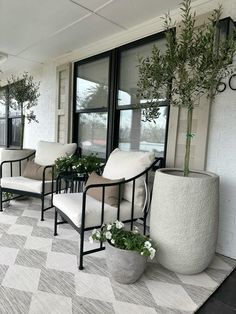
x=18 y=185
x=84 y=213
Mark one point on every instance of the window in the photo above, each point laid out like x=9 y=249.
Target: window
x=92 y=86
x=134 y=134
x=10 y=122
x=105 y=103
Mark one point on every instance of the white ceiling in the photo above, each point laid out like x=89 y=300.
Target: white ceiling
x=35 y=31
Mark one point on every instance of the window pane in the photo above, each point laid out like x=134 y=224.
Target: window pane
x=129 y=71
x=2 y=103
x=2 y=132
x=14 y=131
x=14 y=112
x=145 y=136
x=92 y=84
x=93 y=133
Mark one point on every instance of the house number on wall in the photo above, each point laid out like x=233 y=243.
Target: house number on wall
x=221 y=87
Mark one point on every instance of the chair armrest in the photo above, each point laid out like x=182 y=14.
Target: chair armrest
x=52 y=172
x=13 y=161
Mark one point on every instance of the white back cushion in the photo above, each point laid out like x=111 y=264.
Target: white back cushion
x=48 y=152
x=126 y=165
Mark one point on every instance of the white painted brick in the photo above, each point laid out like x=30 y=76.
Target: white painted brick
x=221 y=159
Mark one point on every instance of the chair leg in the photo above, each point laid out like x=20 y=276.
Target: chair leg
x=55 y=223
x=81 y=250
x=1 y=200
x=42 y=208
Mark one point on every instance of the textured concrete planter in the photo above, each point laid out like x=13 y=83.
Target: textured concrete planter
x=184 y=219
x=125 y=266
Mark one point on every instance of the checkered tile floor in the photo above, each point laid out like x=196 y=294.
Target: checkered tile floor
x=39 y=274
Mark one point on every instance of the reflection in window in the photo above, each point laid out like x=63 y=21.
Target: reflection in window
x=138 y=135
x=2 y=132
x=129 y=71
x=93 y=133
x=14 y=130
x=92 y=84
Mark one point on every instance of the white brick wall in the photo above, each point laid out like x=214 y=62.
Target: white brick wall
x=221 y=159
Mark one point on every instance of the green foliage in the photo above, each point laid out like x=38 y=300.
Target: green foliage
x=7 y=195
x=85 y=164
x=191 y=65
x=22 y=94
x=124 y=239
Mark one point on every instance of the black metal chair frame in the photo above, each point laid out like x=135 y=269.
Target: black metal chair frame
x=82 y=229
x=19 y=193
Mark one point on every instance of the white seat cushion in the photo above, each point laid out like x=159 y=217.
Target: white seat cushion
x=71 y=205
x=48 y=152
x=25 y=184
x=126 y=165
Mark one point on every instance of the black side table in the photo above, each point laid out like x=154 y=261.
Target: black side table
x=70 y=182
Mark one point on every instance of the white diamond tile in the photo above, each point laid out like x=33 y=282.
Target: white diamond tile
x=48 y=303
x=170 y=295
x=32 y=213
x=68 y=234
x=61 y=261
x=38 y=243
x=94 y=287
x=7 y=219
x=129 y=308
x=49 y=223
x=8 y=255
x=20 y=230
x=22 y=278
x=218 y=263
x=90 y=246
x=202 y=280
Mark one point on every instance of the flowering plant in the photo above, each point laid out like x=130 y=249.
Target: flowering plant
x=86 y=164
x=124 y=239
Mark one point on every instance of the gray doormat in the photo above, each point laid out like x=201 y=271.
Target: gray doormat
x=39 y=274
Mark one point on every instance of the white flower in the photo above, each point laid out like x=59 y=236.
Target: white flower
x=152 y=252
x=147 y=245
x=109 y=226
x=108 y=235
x=94 y=231
x=98 y=235
x=142 y=253
x=112 y=241
x=119 y=224
x=90 y=239
x=73 y=167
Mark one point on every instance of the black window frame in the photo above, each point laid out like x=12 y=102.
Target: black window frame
x=8 y=123
x=113 y=108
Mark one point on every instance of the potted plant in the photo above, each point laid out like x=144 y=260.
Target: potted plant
x=23 y=94
x=184 y=213
x=81 y=165
x=127 y=251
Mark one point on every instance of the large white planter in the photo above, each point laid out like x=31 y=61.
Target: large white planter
x=184 y=219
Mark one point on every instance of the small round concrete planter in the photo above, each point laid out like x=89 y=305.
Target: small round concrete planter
x=125 y=266
x=184 y=219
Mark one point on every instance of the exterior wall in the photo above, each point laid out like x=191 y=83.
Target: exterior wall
x=221 y=159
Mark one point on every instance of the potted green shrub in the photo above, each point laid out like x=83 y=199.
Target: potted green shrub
x=127 y=251
x=184 y=213
x=23 y=94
